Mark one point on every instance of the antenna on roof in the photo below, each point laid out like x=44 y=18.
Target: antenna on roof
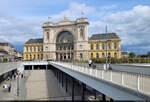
x=106 y=29
x=49 y=19
x=82 y=13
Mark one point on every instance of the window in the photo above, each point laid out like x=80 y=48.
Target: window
x=97 y=46
x=38 y=48
x=115 y=45
x=109 y=46
x=103 y=55
x=115 y=55
x=103 y=46
x=82 y=33
x=91 y=55
x=97 y=55
x=68 y=55
x=34 y=49
x=81 y=56
x=47 y=35
x=91 y=46
x=30 y=49
x=64 y=55
x=109 y=55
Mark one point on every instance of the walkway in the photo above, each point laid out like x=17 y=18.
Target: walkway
x=42 y=84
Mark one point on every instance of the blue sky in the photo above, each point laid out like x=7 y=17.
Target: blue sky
x=21 y=20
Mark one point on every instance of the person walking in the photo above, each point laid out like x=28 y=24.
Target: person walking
x=90 y=62
x=9 y=87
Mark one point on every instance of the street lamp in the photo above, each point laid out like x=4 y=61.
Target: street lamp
x=106 y=46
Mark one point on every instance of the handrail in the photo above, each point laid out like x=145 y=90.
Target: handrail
x=136 y=82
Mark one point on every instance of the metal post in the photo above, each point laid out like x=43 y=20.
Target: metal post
x=83 y=92
x=106 y=48
x=66 y=82
x=103 y=98
x=18 y=85
x=46 y=67
x=95 y=94
x=72 y=89
x=32 y=67
x=59 y=75
x=62 y=79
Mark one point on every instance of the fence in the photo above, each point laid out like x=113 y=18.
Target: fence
x=136 y=82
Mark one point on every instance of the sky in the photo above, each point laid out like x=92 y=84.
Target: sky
x=21 y=20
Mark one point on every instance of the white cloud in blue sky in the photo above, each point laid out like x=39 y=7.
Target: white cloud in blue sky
x=23 y=19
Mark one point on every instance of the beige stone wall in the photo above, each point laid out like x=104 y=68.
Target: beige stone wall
x=54 y=29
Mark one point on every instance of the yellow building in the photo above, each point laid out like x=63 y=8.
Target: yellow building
x=98 y=48
x=33 y=49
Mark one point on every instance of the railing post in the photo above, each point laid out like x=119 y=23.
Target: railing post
x=122 y=78
x=32 y=67
x=110 y=75
x=102 y=74
x=138 y=83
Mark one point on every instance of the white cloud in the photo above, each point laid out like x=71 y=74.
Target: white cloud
x=107 y=7
x=133 y=26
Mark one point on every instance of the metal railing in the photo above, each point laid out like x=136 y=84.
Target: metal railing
x=6 y=67
x=136 y=82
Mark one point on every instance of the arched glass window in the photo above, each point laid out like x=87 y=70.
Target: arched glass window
x=97 y=55
x=91 y=55
x=97 y=46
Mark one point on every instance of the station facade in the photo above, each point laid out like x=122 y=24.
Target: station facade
x=68 y=40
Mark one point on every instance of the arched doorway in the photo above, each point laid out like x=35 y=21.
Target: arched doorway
x=64 y=46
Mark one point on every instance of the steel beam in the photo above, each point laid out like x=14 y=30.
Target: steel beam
x=83 y=91
x=72 y=89
x=62 y=79
x=66 y=83
x=103 y=98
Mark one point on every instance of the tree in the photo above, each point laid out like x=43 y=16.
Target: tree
x=132 y=55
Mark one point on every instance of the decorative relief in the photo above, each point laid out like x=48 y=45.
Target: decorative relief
x=81 y=32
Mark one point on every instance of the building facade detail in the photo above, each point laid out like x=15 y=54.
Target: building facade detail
x=33 y=49
x=65 y=40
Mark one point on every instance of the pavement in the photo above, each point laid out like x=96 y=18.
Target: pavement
x=13 y=95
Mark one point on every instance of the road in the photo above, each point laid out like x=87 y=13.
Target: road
x=143 y=70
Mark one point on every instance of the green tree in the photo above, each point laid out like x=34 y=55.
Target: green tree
x=132 y=55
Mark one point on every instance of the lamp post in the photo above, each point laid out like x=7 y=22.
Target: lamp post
x=18 y=85
x=106 y=46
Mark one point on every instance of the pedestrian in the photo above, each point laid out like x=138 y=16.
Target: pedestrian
x=9 y=87
x=90 y=62
x=21 y=75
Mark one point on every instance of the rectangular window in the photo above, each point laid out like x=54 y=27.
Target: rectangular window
x=97 y=46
